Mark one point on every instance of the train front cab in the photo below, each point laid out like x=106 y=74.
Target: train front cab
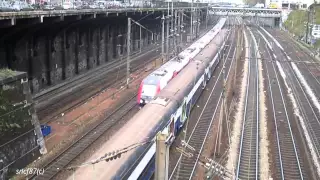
x=147 y=92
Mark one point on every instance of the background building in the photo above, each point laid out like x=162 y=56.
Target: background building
x=290 y=4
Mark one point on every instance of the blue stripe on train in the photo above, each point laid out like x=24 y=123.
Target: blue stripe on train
x=149 y=171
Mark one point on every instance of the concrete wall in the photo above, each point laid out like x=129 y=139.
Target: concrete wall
x=52 y=53
x=18 y=141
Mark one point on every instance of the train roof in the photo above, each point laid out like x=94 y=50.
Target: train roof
x=155 y=76
x=143 y=125
x=186 y=77
x=152 y=80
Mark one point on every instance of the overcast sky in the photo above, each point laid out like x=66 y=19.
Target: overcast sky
x=230 y=1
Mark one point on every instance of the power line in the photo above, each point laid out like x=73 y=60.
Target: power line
x=211 y=165
x=111 y=155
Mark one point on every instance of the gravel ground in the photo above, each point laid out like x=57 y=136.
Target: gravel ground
x=97 y=144
x=264 y=142
x=233 y=151
x=293 y=114
x=210 y=146
x=73 y=124
x=66 y=129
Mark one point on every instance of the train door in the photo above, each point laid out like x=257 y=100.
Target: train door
x=204 y=82
x=184 y=110
x=209 y=73
x=171 y=127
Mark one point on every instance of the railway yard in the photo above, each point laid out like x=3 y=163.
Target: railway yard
x=257 y=117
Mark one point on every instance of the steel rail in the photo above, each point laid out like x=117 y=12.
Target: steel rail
x=65 y=157
x=317 y=82
x=284 y=139
x=307 y=109
x=282 y=145
x=249 y=141
x=200 y=131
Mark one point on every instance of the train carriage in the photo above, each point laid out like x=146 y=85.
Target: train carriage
x=184 y=92
x=167 y=112
x=158 y=79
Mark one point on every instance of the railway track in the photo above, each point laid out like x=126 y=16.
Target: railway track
x=311 y=69
x=248 y=159
x=70 y=153
x=185 y=167
x=298 y=151
x=288 y=163
x=51 y=107
x=308 y=113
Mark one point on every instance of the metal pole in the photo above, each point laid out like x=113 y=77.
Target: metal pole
x=197 y=15
x=175 y=33
x=168 y=25
x=172 y=24
x=307 y=31
x=162 y=41
x=182 y=25
x=222 y=103
x=152 y=38
x=162 y=157
x=120 y=56
x=179 y=30
x=140 y=42
x=191 y=22
x=128 y=51
x=207 y=17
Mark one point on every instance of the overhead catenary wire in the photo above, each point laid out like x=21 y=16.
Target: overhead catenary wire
x=153 y=49
x=111 y=155
x=122 y=57
x=26 y=133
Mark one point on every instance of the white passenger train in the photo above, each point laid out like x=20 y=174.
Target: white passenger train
x=168 y=111
x=157 y=80
x=172 y=105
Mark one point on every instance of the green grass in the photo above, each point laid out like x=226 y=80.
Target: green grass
x=296 y=22
x=4 y=73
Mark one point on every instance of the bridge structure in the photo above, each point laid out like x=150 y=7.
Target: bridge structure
x=12 y=18
x=246 y=12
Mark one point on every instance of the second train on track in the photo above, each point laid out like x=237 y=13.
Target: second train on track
x=167 y=111
x=157 y=80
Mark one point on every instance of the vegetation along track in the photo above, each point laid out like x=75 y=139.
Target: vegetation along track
x=287 y=157
x=65 y=157
x=185 y=167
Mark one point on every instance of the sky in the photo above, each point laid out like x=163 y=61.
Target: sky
x=229 y=1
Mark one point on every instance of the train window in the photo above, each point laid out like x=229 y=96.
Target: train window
x=149 y=90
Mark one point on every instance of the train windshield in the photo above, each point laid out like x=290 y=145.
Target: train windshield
x=149 y=90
